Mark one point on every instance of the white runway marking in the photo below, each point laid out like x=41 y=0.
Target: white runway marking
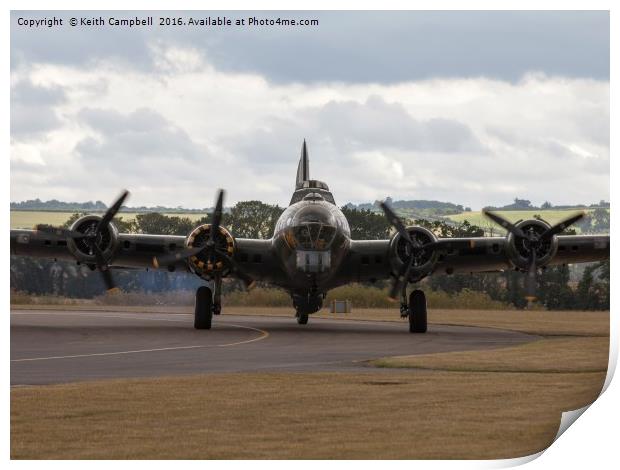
x=264 y=335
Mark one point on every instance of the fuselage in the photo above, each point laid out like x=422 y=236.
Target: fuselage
x=311 y=238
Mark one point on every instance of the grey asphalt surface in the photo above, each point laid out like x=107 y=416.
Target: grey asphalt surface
x=56 y=347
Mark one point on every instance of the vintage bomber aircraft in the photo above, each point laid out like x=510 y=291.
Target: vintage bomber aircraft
x=311 y=251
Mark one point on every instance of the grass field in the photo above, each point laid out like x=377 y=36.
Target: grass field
x=28 y=219
x=497 y=403
x=576 y=354
x=477 y=218
x=429 y=414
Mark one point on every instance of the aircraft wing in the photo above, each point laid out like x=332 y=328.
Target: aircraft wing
x=488 y=254
x=369 y=260
x=136 y=251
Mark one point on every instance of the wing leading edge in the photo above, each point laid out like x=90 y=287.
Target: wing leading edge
x=136 y=251
x=369 y=260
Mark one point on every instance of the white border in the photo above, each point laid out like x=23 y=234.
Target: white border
x=591 y=442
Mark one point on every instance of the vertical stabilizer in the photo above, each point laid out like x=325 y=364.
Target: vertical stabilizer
x=303 y=170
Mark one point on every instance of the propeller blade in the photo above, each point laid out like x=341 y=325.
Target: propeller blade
x=59 y=232
x=530 y=280
x=99 y=258
x=395 y=221
x=217 y=215
x=103 y=268
x=111 y=212
x=393 y=295
x=108 y=280
x=562 y=225
x=173 y=258
x=402 y=277
x=498 y=219
x=235 y=269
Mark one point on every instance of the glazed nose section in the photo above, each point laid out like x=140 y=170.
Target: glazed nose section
x=313 y=261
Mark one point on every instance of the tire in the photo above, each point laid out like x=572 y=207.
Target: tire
x=203 y=312
x=417 y=312
x=302 y=318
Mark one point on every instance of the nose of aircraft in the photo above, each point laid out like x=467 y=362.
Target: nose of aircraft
x=314 y=213
x=313 y=228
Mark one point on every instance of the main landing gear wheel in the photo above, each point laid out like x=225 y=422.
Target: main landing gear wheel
x=203 y=312
x=302 y=318
x=417 y=312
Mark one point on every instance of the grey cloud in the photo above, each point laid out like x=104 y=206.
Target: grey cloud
x=113 y=122
x=377 y=124
x=593 y=124
x=265 y=149
x=24 y=92
x=76 y=45
x=139 y=136
x=353 y=46
x=32 y=109
x=28 y=122
x=440 y=159
x=344 y=127
x=543 y=146
x=141 y=150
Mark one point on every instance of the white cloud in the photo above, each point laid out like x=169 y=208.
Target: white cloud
x=174 y=137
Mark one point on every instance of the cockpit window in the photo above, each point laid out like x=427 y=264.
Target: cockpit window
x=312 y=236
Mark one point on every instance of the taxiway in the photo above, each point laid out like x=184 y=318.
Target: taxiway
x=49 y=346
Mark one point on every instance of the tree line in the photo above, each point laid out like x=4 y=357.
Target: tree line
x=560 y=287
x=526 y=205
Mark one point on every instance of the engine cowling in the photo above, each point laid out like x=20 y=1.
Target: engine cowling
x=106 y=239
x=519 y=248
x=424 y=260
x=200 y=264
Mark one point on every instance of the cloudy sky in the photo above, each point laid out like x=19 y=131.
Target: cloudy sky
x=475 y=108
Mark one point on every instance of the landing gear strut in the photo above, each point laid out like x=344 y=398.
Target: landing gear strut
x=302 y=318
x=217 y=295
x=305 y=305
x=203 y=308
x=404 y=306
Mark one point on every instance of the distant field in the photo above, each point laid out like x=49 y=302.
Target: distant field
x=28 y=219
x=477 y=218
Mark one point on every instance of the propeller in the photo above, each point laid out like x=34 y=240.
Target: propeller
x=210 y=248
x=415 y=248
x=92 y=238
x=533 y=242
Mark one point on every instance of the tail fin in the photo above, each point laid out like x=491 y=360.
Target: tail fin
x=303 y=169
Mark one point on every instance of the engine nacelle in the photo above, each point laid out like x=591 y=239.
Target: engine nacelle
x=199 y=264
x=519 y=248
x=423 y=259
x=81 y=248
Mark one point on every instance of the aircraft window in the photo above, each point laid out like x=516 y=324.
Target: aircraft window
x=313 y=236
